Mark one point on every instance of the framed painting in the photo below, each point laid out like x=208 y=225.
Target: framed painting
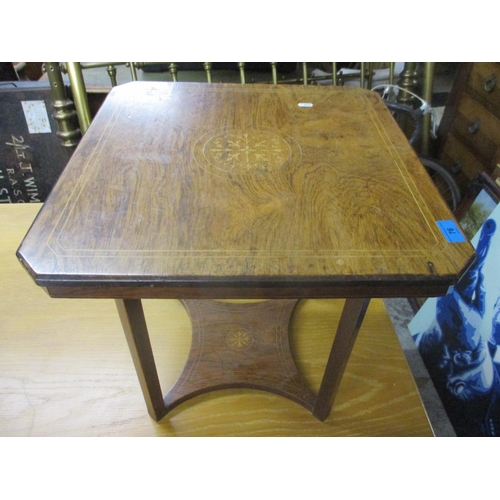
x=478 y=203
x=458 y=335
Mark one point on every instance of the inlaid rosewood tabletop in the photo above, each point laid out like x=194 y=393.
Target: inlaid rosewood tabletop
x=202 y=192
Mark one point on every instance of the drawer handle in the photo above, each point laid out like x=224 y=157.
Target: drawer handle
x=491 y=83
x=457 y=167
x=474 y=127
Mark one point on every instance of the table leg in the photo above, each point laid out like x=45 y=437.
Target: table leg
x=136 y=333
x=347 y=331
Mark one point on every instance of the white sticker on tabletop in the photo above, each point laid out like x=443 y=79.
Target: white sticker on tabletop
x=36 y=116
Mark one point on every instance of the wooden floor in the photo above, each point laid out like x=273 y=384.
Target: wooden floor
x=65 y=369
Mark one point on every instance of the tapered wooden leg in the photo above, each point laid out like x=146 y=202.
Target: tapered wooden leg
x=347 y=331
x=136 y=333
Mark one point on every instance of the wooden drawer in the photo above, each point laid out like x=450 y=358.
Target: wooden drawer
x=460 y=162
x=484 y=84
x=477 y=128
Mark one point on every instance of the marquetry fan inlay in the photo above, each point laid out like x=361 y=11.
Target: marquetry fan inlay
x=239 y=340
x=244 y=151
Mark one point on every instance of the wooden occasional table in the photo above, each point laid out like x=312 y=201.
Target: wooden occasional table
x=202 y=192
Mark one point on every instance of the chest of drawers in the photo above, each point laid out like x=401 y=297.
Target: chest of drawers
x=469 y=132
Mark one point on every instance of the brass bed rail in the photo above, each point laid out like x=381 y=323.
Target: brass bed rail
x=70 y=131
